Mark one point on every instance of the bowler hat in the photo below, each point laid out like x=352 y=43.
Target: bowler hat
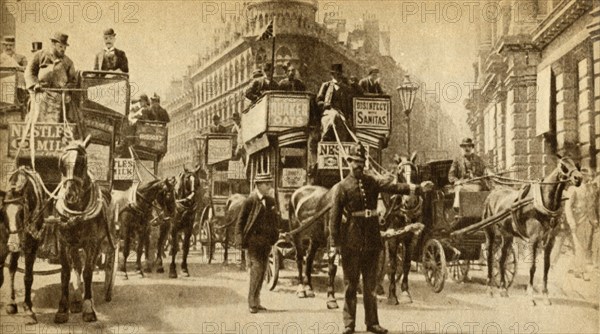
x=337 y=68
x=467 y=142
x=373 y=69
x=235 y=115
x=257 y=73
x=357 y=153
x=8 y=40
x=155 y=98
x=263 y=178
x=109 y=32
x=36 y=46
x=59 y=37
x=144 y=97
x=216 y=117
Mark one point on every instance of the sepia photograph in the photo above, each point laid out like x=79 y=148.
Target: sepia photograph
x=299 y=166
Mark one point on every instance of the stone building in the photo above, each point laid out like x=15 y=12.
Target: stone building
x=220 y=76
x=538 y=85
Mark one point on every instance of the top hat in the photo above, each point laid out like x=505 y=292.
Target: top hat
x=257 y=73
x=60 y=38
x=467 y=142
x=373 y=69
x=337 y=68
x=263 y=178
x=109 y=32
x=216 y=117
x=155 y=98
x=357 y=153
x=36 y=46
x=8 y=40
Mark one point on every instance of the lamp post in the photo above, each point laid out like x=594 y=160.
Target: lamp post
x=407 y=91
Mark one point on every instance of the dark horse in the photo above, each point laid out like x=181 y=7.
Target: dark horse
x=403 y=210
x=534 y=222
x=136 y=218
x=85 y=217
x=311 y=203
x=23 y=218
x=187 y=194
x=225 y=229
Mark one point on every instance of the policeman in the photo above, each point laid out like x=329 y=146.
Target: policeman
x=464 y=168
x=256 y=230
x=358 y=239
x=370 y=84
x=111 y=58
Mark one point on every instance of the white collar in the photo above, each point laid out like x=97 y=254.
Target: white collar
x=260 y=196
x=109 y=50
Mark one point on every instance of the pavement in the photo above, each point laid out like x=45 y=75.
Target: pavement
x=213 y=300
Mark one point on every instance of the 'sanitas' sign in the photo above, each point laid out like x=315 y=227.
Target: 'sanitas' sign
x=219 y=149
x=124 y=169
x=48 y=139
x=372 y=113
x=328 y=155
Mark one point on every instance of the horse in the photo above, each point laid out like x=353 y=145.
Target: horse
x=187 y=191
x=225 y=231
x=534 y=222
x=308 y=210
x=23 y=218
x=85 y=215
x=402 y=211
x=136 y=218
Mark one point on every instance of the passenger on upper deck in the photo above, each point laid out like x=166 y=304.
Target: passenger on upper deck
x=334 y=99
x=51 y=68
x=111 y=58
x=217 y=127
x=141 y=111
x=291 y=83
x=370 y=84
x=160 y=114
x=261 y=84
x=9 y=58
x=466 y=167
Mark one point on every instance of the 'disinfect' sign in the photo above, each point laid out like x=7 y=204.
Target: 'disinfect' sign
x=372 y=113
x=48 y=139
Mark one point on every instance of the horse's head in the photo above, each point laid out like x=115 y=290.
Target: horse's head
x=407 y=170
x=187 y=184
x=73 y=170
x=165 y=196
x=569 y=171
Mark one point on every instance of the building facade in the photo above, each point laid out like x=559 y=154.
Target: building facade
x=220 y=77
x=538 y=85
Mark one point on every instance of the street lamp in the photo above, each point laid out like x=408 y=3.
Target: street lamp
x=407 y=91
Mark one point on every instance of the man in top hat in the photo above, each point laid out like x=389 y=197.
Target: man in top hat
x=217 y=127
x=291 y=83
x=358 y=239
x=370 y=84
x=111 y=58
x=334 y=99
x=159 y=113
x=51 y=68
x=9 y=57
x=262 y=84
x=256 y=231
x=464 y=168
x=36 y=46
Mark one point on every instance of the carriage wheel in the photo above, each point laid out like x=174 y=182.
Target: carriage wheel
x=510 y=266
x=434 y=264
x=110 y=272
x=272 y=272
x=206 y=234
x=459 y=270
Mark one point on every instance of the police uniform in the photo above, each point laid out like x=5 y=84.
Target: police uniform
x=359 y=237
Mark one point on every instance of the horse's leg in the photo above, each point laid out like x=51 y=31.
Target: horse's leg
x=547 y=252
x=140 y=251
x=405 y=297
x=331 y=272
x=89 y=314
x=392 y=246
x=126 y=234
x=225 y=245
x=300 y=293
x=532 y=249
x=76 y=301
x=174 y=247
x=187 y=235
x=147 y=251
x=11 y=308
x=489 y=241
x=506 y=246
x=243 y=260
x=162 y=235
x=310 y=259
x=28 y=280
x=62 y=315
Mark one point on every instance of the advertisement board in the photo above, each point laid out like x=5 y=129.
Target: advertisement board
x=151 y=136
x=287 y=112
x=372 y=113
x=293 y=177
x=328 y=155
x=48 y=139
x=124 y=169
x=218 y=149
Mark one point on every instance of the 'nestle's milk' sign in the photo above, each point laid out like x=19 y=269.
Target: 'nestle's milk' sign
x=372 y=113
